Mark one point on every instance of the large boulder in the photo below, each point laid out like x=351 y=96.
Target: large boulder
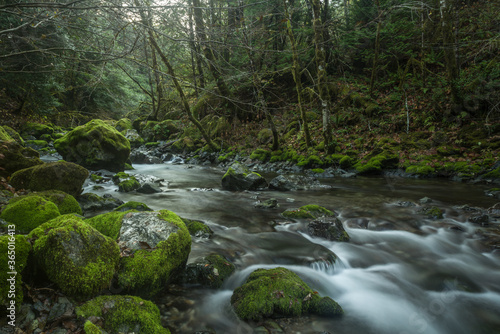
x=160 y=244
x=61 y=175
x=239 y=177
x=14 y=157
x=279 y=292
x=36 y=130
x=121 y=314
x=75 y=256
x=95 y=145
x=29 y=212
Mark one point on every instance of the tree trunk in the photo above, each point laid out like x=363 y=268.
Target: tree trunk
x=449 y=50
x=324 y=94
x=377 y=49
x=296 y=76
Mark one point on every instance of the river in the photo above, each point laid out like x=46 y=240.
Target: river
x=400 y=273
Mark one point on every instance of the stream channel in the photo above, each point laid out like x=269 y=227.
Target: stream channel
x=400 y=273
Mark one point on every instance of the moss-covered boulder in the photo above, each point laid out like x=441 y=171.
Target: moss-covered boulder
x=123 y=125
x=238 y=177
x=90 y=203
x=126 y=182
x=14 y=251
x=134 y=138
x=61 y=175
x=108 y=224
x=123 y=314
x=13 y=134
x=75 y=256
x=95 y=145
x=37 y=144
x=29 y=212
x=159 y=244
x=65 y=202
x=14 y=157
x=36 y=130
x=4 y=135
x=197 y=228
x=310 y=211
x=278 y=293
x=209 y=272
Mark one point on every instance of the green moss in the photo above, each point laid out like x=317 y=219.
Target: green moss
x=197 y=228
x=433 y=212
x=148 y=272
x=19 y=249
x=124 y=314
x=420 y=170
x=129 y=167
x=318 y=170
x=152 y=144
x=260 y=154
x=29 y=212
x=377 y=163
x=75 y=256
x=310 y=211
x=65 y=202
x=36 y=129
x=108 y=224
x=312 y=160
x=129 y=185
x=493 y=174
x=132 y=205
x=346 y=162
x=96 y=178
x=225 y=157
x=15 y=157
x=4 y=136
x=278 y=292
x=123 y=125
x=90 y=328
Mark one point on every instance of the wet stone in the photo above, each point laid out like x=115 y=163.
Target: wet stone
x=144 y=230
x=149 y=188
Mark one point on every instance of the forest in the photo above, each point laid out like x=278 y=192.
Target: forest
x=308 y=77
x=247 y=166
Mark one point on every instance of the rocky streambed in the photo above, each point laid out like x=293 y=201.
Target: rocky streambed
x=420 y=256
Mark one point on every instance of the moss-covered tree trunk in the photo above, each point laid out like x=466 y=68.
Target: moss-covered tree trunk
x=324 y=94
x=296 y=75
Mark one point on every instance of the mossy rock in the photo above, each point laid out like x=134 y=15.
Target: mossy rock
x=260 y=154
x=14 y=251
x=123 y=125
x=124 y=314
x=310 y=211
x=132 y=205
x=37 y=144
x=14 y=157
x=90 y=328
x=310 y=161
x=62 y=175
x=29 y=213
x=153 y=266
x=65 y=202
x=13 y=134
x=421 y=170
x=198 y=228
x=433 y=212
x=185 y=144
x=108 y=224
x=377 y=163
x=75 y=256
x=238 y=177
x=95 y=146
x=210 y=271
x=36 y=130
x=277 y=293
x=4 y=135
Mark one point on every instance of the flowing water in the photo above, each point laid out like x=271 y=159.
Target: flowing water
x=400 y=273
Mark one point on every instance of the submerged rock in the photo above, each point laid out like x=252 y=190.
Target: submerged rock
x=295 y=182
x=149 y=188
x=61 y=175
x=210 y=271
x=279 y=292
x=122 y=314
x=95 y=145
x=238 y=177
x=197 y=228
x=329 y=228
x=75 y=256
x=311 y=211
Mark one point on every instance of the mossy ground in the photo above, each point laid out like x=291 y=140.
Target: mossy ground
x=124 y=314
